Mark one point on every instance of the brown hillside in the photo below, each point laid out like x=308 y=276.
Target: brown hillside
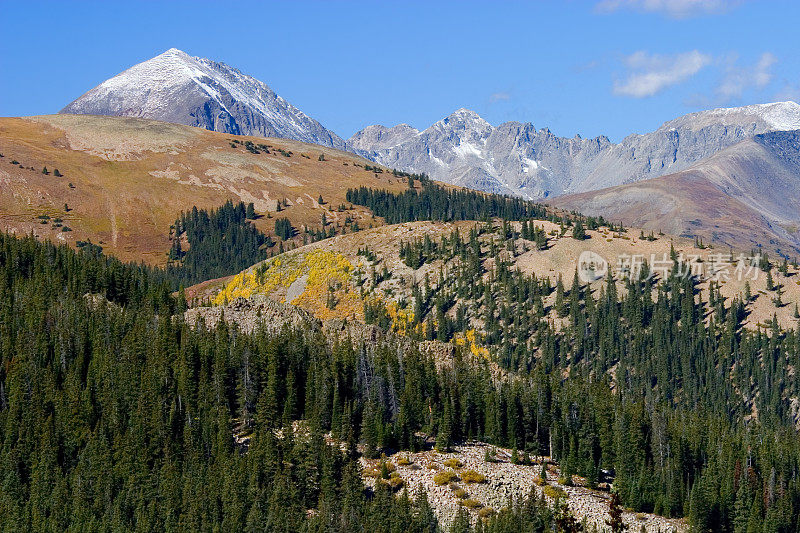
x=126 y=180
x=304 y=276
x=745 y=196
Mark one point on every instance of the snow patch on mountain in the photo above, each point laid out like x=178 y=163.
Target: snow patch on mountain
x=467 y=149
x=776 y=116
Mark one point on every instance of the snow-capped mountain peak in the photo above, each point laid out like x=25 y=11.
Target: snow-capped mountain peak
x=176 y=87
x=466 y=118
x=781 y=116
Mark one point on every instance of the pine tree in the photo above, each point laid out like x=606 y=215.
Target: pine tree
x=460 y=523
x=424 y=520
x=614 y=520
x=444 y=436
x=578 y=231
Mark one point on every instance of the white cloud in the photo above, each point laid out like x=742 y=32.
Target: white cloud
x=652 y=73
x=678 y=9
x=738 y=78
x=498 y=97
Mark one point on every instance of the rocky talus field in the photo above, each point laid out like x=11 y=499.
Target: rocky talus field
x=499 y=482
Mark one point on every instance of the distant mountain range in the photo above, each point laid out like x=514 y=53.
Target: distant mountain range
x=517 y=158
x=726 y=161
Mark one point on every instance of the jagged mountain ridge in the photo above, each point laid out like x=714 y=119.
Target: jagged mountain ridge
x=176 y=87
x=516 y=158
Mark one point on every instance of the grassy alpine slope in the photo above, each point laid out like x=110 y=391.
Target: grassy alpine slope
x=122 y=182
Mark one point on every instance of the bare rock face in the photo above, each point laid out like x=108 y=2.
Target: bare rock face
x=516 y=158
x=252 y=313
x=380 y=137
x=175 y=87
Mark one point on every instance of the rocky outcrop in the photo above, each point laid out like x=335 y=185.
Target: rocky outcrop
x=379 y=137
x=252 y=313
x=260 y=311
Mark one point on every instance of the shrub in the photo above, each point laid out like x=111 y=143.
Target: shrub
x=403 y=461
x=471 y=476
x=395 y=482
x=453 y=463
x=460 y=493
x=471 y=503
x=565 y=480
x=554 y=493
x=432 y=466
x=443 y=478
x=540 y=482
x=486 y=512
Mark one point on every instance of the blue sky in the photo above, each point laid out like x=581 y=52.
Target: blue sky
x=609 y=67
